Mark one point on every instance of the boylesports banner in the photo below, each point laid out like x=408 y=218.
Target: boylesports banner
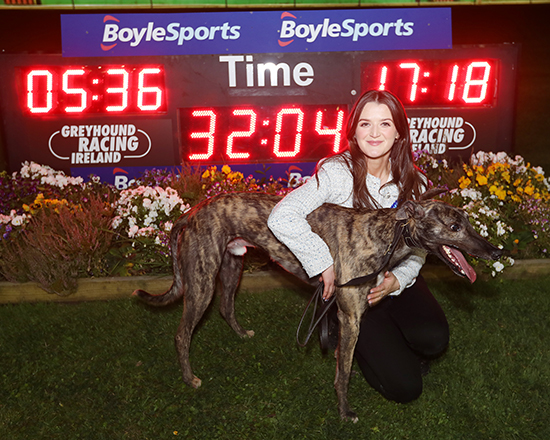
x=120 y=34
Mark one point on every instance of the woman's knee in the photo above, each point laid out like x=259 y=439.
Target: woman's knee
x=431 y=339
x=403 y=391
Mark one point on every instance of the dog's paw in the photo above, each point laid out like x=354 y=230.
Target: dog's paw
x=351 y=416
x=196 y=382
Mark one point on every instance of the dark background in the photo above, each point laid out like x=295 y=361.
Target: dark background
x=38 y=31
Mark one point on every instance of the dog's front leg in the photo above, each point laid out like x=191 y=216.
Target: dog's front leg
x=349 y=332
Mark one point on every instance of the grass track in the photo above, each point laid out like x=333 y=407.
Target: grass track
x=108 y=370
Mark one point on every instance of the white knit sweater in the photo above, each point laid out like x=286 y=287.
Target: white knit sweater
x=288 y=219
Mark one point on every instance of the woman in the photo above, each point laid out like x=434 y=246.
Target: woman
x=377 y=171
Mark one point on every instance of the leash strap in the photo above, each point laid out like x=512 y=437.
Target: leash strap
x=316 y=300
x=401 y=230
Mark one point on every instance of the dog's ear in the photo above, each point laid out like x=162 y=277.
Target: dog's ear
x=432 y=192
x=409 y=210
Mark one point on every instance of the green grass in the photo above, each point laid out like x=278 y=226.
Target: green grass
x=108 y=370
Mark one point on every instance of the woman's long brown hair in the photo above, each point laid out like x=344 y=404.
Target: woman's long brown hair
x=408 y=178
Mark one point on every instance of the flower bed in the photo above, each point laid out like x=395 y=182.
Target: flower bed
x=56 y=229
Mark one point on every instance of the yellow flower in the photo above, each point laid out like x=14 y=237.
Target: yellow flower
x=481 y=180
x=235 y=176
x=206 y=174
x=226 y=169
x=464 y=182
x=529 y=190
x=498 y=191
x=517 y=181
x=506 y=176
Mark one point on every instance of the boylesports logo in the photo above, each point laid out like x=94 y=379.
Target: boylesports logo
x=114 y=33
x=291 y=29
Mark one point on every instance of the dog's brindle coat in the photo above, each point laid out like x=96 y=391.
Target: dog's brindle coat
x=207 y=240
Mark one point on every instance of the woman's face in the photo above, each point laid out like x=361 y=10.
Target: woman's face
x=376 y=132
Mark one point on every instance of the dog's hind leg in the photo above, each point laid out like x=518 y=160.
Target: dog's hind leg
x=230 y=277
x=196 y=300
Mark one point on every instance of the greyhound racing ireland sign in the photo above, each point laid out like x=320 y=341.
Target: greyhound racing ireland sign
x=75 y=145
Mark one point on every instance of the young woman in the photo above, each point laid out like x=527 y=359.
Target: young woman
x=405 y=324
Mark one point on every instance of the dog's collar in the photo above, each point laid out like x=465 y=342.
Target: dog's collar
x=407 y=236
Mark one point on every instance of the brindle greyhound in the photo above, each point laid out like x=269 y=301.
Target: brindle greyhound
x=209 y=241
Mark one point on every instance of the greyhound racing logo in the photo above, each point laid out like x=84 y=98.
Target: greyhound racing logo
x=99 y=144
x=439 y=134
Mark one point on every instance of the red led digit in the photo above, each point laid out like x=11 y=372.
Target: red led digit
x=383 y=78
x=156 y=92
x=241 y=134
x=416 y=75
x=205 y=134
x=122 y=90
x=36 y=79
x=452 y=87
x=298 y=136
x=336 y=132
x=469 y=82
x=78 y=91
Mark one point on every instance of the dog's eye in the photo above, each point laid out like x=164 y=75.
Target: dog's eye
x=455 y=227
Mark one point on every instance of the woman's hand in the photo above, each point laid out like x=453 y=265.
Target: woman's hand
x=328 y=277
x=388 y=285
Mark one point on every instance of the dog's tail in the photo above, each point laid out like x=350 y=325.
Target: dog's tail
x=176 y=290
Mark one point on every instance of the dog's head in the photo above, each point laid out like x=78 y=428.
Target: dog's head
x=445 y=231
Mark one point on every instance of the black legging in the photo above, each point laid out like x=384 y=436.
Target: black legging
x=394 y=334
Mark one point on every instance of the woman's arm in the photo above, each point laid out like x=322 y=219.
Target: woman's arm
x=288 y=219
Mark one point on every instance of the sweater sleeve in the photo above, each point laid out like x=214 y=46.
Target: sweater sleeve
x=407 y=271
x=288 y=219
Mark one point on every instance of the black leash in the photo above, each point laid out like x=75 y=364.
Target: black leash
x=401 y=230
x=317 y=300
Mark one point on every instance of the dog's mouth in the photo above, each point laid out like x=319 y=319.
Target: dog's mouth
x=454 y=258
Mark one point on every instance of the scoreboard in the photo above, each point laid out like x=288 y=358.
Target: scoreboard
x=107 y=115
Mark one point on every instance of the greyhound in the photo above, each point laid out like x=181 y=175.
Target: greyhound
x=210 y=240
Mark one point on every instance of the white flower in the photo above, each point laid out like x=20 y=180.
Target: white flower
x=18 y=220
x=498 y=266
x=117 y=221
x=133 y=231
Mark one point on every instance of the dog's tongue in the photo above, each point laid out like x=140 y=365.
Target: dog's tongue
x=468 y=270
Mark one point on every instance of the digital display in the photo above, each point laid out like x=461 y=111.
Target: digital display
x=261 y=133
x=123 y=114
x=78 y=90
x=435 y=83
